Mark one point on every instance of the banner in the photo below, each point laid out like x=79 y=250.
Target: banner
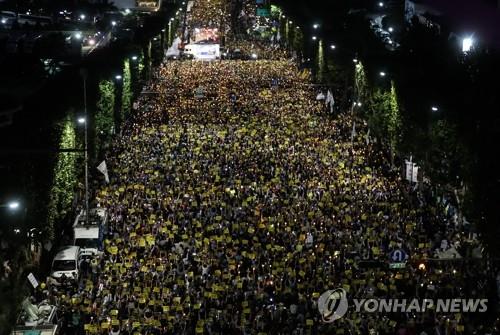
x=104 y=170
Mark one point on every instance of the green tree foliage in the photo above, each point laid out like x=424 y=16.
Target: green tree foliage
x=384 y=116
x=141 y=65
x=320 y=63
x=104 y=121
x=361 y=83
x=64 y=179
x=127 y=89
x=447 y=154
x=298 y=40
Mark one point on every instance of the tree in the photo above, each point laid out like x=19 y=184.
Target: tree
x=127 y=89
x=64 y=180
x=104 y=121
x=384 y=118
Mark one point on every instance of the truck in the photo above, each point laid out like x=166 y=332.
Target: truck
x=89 y=235
x=36 y=319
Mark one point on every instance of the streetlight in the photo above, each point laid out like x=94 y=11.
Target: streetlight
x=355 y=60
x=118 y=77
x=315 y=26
x=13 y=205
x=333 y=47
x=391 y=29
x=434 y=108
x=314 y=38
x=82 y=16
x=78 y=36
x=381 y=4
x=467 y=44
x=134 y=57
x=113 y=23
x=84 y=74
x=81 y=120
x=382 y=74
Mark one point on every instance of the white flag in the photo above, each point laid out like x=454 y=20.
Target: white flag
x=330 y=101
x=320 y=96
x=368 y=137
x=327 y=100
x=104 y=170
x=353 y=133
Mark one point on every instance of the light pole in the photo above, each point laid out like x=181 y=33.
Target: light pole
x=12 y=205
x=85 y=121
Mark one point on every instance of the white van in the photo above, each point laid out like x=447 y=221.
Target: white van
x=66 y=262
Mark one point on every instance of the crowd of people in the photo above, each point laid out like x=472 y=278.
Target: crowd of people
x=236 y=199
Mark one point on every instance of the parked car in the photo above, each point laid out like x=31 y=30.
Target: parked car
x=66 y=262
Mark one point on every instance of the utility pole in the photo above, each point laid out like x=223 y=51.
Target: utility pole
x=83 y=72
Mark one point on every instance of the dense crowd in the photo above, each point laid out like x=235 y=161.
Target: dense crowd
x=236 y=199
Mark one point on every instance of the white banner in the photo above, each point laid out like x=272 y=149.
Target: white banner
x=32 y=280
x=104 y=170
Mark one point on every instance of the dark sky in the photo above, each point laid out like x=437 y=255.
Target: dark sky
x=478 y=17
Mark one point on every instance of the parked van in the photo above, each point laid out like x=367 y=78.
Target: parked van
x=66 y=262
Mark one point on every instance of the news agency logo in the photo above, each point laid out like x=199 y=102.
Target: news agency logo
x=333 y=305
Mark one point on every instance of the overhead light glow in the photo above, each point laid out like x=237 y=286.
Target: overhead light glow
x=467 y=44
x=13 y=205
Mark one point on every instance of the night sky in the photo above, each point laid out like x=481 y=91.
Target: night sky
x=481 y=18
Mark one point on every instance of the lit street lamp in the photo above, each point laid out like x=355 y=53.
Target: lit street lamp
x=381 y=4
x=315 y=26
x=332 y=46
x=467 y=44
x=84 y=74
x=12 y=205
x=382 y=74
x=434 y=108
x=314 y=38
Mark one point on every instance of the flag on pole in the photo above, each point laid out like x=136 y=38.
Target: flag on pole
x=104 y=170
x=330 y=101
x=327 y=100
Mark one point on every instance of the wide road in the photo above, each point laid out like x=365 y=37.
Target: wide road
x=235 y=208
